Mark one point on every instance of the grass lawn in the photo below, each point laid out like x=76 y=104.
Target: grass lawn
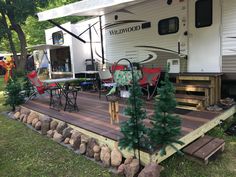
x=223 y=166
x=23 y=152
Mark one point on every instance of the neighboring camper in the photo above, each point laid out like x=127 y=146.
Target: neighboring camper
x=72 y=58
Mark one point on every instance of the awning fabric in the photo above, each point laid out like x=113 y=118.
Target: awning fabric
x=45 y=47
x=86 y=8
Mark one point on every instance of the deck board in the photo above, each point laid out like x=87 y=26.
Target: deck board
x=93 y=115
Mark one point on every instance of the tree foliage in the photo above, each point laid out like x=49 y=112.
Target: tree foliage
x=23 y=25
x=133 y=129
x=13 y=93
x=166 y=127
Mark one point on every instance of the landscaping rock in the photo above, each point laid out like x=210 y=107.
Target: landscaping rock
x=38 y=125
x=67 y=132
x=34 y=122
x=116 y=157
x=45 y=123
x=130 y=170
x=82 y=148
x=151 y=170
x=17 y=109
x=16 y=115
x=128 y=160
x=96 y=149
x=31 y=117
x=104 y=149
x=107 y=159
x=89 y=151
x=61 y=126
x=75 y=139
x=24 y=120
x=53 y=125
x=84 y=138
x=50 y=133
x=66 y=141
x=121 y=169
x=22 y=116
x=97 y=156
x=25 y=111
x=57 y=137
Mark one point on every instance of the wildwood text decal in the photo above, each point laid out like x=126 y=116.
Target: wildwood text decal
x=125 y=30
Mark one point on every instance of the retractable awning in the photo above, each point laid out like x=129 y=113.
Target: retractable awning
x=45 y=47
x=86 y=8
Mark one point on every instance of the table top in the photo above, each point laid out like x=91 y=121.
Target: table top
x=87 y=72
x=60 y=80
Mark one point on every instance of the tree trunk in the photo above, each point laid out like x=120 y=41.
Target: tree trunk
x=9 y=35
x=21 y=36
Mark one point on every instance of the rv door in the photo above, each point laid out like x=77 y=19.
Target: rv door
x=204 y=36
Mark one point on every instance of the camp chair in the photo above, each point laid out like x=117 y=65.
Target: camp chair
x=40 y=88
x=106 y=80
x=115 y=67
x=150 y=78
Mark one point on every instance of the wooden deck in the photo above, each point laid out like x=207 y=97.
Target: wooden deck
x=93 y=119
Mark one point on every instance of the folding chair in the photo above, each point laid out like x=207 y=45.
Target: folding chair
x=115 y=67
x=106 y=80
x=40 y=88
x=150 y=79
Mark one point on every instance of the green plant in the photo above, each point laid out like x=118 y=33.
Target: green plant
x=133 y=129
x=13 y=93
x=166 y=127
x=27 y=87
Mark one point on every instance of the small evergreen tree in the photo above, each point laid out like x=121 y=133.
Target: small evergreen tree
x=166 y=127
x=133 y=129
x=27 y=87
x=12 y=93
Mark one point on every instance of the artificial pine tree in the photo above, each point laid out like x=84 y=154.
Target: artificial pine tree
x=166 y=127
x=27 y=87
x=133 y=129
x=12 y=93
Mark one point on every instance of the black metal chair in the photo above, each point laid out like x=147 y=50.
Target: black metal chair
x=71 y=98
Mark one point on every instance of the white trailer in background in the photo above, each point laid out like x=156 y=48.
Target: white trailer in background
x=70 y=60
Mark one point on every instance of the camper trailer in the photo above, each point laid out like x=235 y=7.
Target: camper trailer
x=192 y=36
x=73 y=55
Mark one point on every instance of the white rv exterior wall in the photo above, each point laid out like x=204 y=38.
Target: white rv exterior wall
x=79 y=51
x=229 y=36
x=67 y=41
x=123 y=45
x=82 y=50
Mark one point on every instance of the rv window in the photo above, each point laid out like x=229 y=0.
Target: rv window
x=203 y=10
x=57 y=38
x=168 y=26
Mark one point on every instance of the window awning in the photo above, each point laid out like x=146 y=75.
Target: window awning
x=86 y=8
x=45 y=47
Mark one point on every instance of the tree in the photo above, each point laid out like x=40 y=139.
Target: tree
x=166 y=127
x=133 y=129
x=13 y=93
x=16 y=12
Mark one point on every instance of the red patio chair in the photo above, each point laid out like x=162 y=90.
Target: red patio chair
x=40 y=88
x=150 y=78
x=115 y=67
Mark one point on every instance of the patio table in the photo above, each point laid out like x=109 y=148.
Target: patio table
x=58 y=83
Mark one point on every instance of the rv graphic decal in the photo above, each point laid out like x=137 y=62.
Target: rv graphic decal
x=157 y=52
x=122 y=22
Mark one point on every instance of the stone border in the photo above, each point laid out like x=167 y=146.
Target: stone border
x=80 y=143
